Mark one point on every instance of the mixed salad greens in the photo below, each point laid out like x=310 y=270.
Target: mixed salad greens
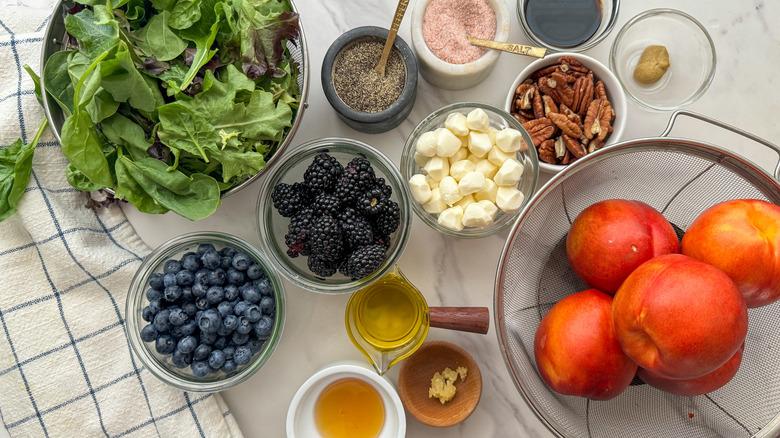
x=169 y=103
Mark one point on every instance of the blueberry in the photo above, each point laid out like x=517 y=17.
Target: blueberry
x=241 y=261
x=225 y=308
x=244 y=326
x=254 y=271
x=156 y=281
x=231 y=292
x=242 y=355
x=220 y=343
x=175 y=332
x=240 y=308
x=187 y=344
x=188 y=327
x=230 y=322
x=165 y=344
x=200 y=369
x=210 y=321
x=169 y=280
x=181 y=360
x=211 y=259
x=239 y=339
x=216 y=359
x=217 y=277
x=202 y=276
x=202 y=351
x=161 y=323
x=224 y=331
x=204 y=247
x=172 y=293
x=186 y=295
x=207 y=338
x=148 y=312
x=202 y=303
x=229 y=350
x=264 y=286
x=190 y=262
x=234 y=276
x=250 y=294
x=177 y=316
x=229 y=366
x=215 y=294
x=268 y=305
x=148 y=333
x=172 y=266
x=264 y=327
x=228 y=251
x=153 y=294
x=199 y=290
x=225 y=262
x=253 y=313
x=185 y=278
x=255 y=345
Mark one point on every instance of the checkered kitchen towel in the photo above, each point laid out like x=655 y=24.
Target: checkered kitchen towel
x=66 y=367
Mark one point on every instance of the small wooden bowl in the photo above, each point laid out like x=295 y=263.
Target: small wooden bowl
x=414 y=379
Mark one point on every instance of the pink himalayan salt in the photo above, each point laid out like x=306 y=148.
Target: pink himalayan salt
x=447 y=24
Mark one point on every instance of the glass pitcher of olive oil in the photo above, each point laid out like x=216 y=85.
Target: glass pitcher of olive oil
x=389 y=319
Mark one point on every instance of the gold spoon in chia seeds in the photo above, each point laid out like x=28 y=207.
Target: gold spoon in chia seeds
x=517 y=49
x=399 y=15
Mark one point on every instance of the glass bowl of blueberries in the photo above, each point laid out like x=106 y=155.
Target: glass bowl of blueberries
x=204 y=311
x=333 y=215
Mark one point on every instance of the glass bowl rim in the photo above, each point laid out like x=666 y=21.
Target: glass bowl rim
x=589 y=44
x=650 y=13
x=307 y=150
x=137 y=294
x=407 y=162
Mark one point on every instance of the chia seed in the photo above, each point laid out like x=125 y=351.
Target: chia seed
x=358 y=85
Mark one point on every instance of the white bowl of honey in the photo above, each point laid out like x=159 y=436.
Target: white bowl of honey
x=346 y=399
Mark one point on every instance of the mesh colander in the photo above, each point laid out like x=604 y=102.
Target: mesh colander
x=680 y=178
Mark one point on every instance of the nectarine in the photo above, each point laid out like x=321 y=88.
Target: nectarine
x=699 y=385
x=610 y=238
x=576 y=349
x=678 y=317
x=742 y=239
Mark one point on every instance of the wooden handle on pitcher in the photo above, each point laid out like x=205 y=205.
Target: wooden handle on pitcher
x=464 y=319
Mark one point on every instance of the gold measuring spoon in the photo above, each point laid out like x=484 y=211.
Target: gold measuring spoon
x=399 y=15
x=518 y=49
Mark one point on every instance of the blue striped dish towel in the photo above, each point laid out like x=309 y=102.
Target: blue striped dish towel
x=66 y=366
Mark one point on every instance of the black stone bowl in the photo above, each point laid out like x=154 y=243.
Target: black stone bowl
x=389 y=118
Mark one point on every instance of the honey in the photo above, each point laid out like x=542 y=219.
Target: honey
x=349 y=408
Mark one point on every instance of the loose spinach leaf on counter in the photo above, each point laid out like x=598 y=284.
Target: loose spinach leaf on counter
x=15 y=169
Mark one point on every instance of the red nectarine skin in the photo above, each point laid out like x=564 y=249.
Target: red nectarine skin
x=742 y=239
x=576 y=350
x=610 y=238
x=678 y=317
x=700 y=385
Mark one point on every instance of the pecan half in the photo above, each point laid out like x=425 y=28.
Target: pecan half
x=583 y=94
x=547 y=152
x=571 y=64
x=595 y=144
x=539 y=129
x=597 y=121
x=574 y=146
x=568 y=158
x=519 y=118
x=555 y=86
x=524 y=96
x=601 y=93
x=549 y=104
x=538 y=106
x=566 y=126
x=571 y=115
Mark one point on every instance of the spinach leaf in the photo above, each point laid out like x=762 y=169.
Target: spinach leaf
x=83 y=147
x=36 y=82
x=122 y=79
x=158 y=40
x=185 y=14
x=121 y=131
x=149 y=185
x=57 y=81
x=94 y=37
x=15 y=170
x=79 y=181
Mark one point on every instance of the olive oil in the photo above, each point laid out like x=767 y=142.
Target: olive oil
x=349 y=408
x=390 y=313
x=563 y=23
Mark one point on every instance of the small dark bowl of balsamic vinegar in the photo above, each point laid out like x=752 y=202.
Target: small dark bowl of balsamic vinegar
x=567 y=25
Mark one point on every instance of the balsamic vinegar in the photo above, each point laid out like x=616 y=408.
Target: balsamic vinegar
x=563 y=23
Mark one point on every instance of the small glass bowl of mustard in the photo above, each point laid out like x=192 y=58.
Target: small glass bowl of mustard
x=690 y=66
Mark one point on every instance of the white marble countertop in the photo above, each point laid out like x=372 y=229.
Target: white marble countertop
x=461 y=272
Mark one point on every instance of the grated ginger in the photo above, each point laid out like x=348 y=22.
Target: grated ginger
x=443 y=383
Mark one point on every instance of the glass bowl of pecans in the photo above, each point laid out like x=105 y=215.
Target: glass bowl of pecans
x=570 y=104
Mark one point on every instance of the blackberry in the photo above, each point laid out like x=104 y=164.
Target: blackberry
x=357 y=177
x=322 y=173
x=381 y=185
x=297 y=237
x=322 y=267
x=286 y=199
x=364 y=261
x=371 y=202
x=355 y=228
x=388 y=219
x=325 y=238
x=327 y=204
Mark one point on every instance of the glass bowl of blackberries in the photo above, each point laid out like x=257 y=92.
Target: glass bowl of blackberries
x=334 y=215
x=204 y=311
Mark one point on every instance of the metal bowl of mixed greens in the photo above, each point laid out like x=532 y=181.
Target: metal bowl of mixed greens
x=172 y=105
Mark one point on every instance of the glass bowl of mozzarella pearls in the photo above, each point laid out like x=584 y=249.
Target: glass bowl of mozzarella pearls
x=469 y=169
